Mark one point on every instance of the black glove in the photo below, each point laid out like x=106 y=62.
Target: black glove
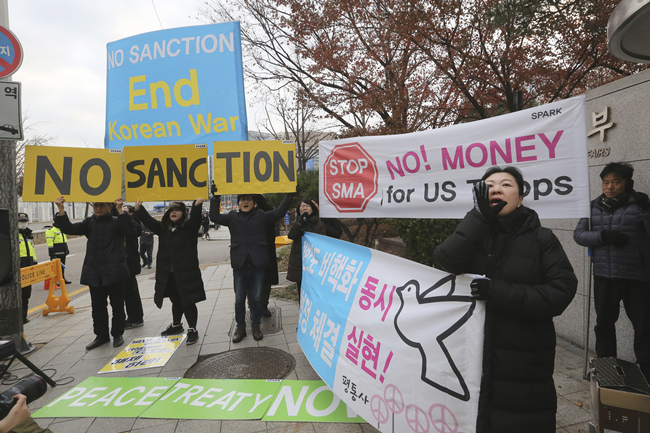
x=614 y=237
x=213 y=189
x=480 y=289
x=641 y=200
x=303 y=218
x=481 y=193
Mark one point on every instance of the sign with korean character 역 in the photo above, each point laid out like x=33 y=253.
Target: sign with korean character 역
x=11 y=125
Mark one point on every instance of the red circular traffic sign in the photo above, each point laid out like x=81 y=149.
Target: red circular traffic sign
x=11 y=53
x=350 y=177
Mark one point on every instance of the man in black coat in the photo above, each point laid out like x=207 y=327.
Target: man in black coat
x=105 y=269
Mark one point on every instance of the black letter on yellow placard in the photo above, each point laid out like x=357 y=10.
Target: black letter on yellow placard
x=62 y=183
x=156 y=170
x=247 y=167
x=131 y=168
x=263 y=177
x=193 y=168
x=228 y=156
x=288 y=169
x=83 y=176
x=174 y=172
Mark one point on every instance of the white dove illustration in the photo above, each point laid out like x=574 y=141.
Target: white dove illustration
x=437 y=364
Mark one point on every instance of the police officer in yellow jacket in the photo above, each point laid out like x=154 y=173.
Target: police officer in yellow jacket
x=57 y=246
x=27 y=256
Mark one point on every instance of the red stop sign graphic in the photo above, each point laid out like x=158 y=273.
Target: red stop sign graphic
x=350 y=177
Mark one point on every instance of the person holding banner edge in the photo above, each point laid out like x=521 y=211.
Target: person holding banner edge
x=528 y=281
x=249 y=256
x=178 y=276
x=619 y=237
x=105 y=269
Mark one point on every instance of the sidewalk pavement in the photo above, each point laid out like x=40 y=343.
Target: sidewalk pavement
x=60 y=339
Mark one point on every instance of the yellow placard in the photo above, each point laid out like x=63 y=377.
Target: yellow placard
x=170 y=172
x=79 y=174
x=254 y=167
x=145 y=353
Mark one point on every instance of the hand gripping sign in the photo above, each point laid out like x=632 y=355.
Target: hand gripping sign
x=350 y=177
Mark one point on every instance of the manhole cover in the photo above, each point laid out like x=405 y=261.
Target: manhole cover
x=268 y=325
x=246 y=363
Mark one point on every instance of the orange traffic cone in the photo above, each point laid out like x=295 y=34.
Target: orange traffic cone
x=47 y=284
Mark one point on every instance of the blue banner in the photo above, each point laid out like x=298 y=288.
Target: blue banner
x=176 y=86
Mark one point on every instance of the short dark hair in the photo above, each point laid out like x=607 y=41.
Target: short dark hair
x=622 y=169
x=252 y=196
x=512 y=171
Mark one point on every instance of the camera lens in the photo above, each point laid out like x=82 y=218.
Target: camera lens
x=33 y=387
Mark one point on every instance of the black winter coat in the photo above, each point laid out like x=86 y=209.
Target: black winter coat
x=631 y=261
x=248 y=231
x=531 y=282
x=177 y=253
x=105 y=262
x=314 y=225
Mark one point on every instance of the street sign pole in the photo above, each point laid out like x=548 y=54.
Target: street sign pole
x=11 y=323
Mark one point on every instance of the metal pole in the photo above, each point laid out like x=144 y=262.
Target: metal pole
x=587 y=314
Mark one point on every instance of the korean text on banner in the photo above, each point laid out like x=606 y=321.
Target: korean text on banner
x=82 y=175
x=182 y=85
x=430 y=174
x=361 y=325
x=174 y=173
x=255 y=167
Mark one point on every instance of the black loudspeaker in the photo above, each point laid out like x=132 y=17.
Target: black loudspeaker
x=6 y=261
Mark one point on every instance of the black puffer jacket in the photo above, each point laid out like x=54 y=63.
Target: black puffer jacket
x=105 y=261
x=631 y=261
x=531 y=282
x=314 y=225
x=248 y=231
x=177 y=253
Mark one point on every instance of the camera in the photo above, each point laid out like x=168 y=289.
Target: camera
x=33 y=387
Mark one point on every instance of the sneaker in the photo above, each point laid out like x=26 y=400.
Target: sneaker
x=131 y=325
x=257 y=333
x=239 y=334
x=192 y=336
x=172 y=330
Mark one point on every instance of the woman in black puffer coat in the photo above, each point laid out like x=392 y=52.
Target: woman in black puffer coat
x=307 y=221
x=529 y=281
x=178 y=275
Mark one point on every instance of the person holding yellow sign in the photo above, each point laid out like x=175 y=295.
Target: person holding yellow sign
x=178 y=276
x=104 y=269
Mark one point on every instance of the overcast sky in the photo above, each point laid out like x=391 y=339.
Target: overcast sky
x=63 y=73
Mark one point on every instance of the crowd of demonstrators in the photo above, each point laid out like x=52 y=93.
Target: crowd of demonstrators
x=132 y=300
x=146 y=247
x=618 y=235
x=27 y=256
x=528 y=281
x=308 y=221
x=249 y=255
x=178 y=276
x=105 y=269
x=57 y=246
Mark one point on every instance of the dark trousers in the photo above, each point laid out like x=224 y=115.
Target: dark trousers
x=134 y=312
x=99 y=296
x=181 y=307
x=62 y=258
x=248 y=280
x=146 y=252
x=27 y=293
x=608 y=294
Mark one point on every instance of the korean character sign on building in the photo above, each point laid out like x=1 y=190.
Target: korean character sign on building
x=362 y=328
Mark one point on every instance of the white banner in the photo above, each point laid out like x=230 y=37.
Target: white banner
x=430 y=174
x=399 y=342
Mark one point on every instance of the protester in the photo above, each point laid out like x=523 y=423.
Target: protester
x=105 y=269
x=132 y=300
x=307 y=221
x=205 y=223
x=528 y=281
x=178 y=276
x=27 y=256
x=249 y=255
x=57 y=246
x=146 y=247
x=618 y=235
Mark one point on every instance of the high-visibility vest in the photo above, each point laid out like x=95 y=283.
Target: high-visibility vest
x=54 y=236
x=26 y=249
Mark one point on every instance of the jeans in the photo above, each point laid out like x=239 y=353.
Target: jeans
x=146 y=252
x=249 y=278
